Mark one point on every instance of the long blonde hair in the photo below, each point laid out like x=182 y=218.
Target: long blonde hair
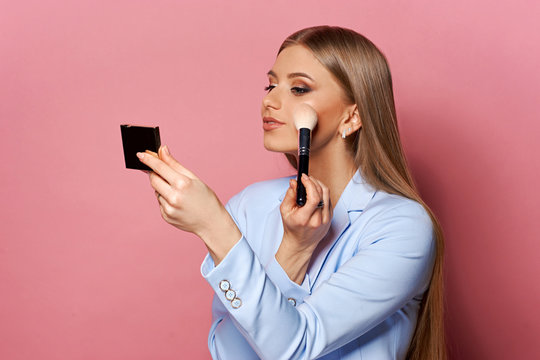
x=364 y=75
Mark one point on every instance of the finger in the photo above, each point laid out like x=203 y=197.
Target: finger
x=327 y=207
x=289 y=201
x=317 y=184
x=323 y=190
x=312 y=195
x=161 y=200
x=164 y=214
x=161 y=168
x=161 y=187
x=166 y=156
x=166 y=207
x=152 y=153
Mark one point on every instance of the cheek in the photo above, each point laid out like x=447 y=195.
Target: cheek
x=330 y=109
x=327 y=126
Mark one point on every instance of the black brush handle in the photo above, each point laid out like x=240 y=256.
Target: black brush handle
x=304 y=135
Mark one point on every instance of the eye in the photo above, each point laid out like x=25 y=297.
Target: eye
x=300 y=90
x=269 y=87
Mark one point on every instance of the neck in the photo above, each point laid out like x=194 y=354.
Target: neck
x=334 y=167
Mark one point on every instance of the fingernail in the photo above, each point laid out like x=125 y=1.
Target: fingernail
x=140 y=155
x=166 y=149
x=305 y=176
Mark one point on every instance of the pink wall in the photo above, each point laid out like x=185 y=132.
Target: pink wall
x=88 y=270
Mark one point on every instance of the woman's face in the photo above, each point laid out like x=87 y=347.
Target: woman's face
x=298 y=77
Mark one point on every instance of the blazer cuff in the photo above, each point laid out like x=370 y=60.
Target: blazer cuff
x=240 y=281
x=289 y=288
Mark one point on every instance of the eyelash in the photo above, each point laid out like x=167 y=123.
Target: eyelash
x=297 y=90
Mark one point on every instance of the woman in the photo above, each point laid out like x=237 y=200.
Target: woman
x=356 y=273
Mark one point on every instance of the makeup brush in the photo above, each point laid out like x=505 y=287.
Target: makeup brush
x=305 y=119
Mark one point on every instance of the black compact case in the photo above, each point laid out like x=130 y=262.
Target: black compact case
x=139 y=139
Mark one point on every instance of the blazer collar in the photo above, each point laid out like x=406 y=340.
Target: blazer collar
x=357 y=194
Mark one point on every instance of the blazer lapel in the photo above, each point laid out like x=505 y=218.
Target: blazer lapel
x=355 y=197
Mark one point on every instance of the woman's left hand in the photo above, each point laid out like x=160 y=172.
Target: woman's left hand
x=303 y=227
x=189 y=204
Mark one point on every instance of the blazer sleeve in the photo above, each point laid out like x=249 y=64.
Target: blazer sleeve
x=224 y=340
x=392 y=265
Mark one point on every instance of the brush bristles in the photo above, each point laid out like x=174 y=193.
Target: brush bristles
x=305 y=117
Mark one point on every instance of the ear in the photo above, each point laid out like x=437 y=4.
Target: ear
x=351 y=121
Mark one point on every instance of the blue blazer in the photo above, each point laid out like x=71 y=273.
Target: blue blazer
x=360 y=296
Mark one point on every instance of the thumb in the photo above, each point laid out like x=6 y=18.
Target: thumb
x=168 y=159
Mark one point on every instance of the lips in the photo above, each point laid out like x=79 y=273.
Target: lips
x=270 y=123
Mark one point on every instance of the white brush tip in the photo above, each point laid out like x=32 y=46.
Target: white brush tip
x=304 y=117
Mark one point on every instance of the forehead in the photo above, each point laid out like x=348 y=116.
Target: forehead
x=298 y=59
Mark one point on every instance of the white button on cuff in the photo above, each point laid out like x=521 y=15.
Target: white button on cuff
x=291 y=301
x=236 y=303
x=224 y=285
x=230 y=295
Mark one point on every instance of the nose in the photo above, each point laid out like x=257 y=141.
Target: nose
x=272 y=100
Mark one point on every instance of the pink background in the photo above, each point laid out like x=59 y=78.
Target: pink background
x=89 y=270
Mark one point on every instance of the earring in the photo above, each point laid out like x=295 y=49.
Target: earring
x=349 y=130
x=343 y=134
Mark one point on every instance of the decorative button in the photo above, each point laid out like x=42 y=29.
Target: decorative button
x=230 y=295
x=224 y=285
x=236 y=303
x=291 y=301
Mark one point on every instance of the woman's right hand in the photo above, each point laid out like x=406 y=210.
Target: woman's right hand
x=303 y=227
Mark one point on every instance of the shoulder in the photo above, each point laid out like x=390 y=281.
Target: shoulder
x=397 y=220
x=385 y=205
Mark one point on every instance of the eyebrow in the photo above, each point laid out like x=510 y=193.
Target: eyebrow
x=292 y=75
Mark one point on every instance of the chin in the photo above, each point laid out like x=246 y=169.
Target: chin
x=280 y=145
x=281 y=149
